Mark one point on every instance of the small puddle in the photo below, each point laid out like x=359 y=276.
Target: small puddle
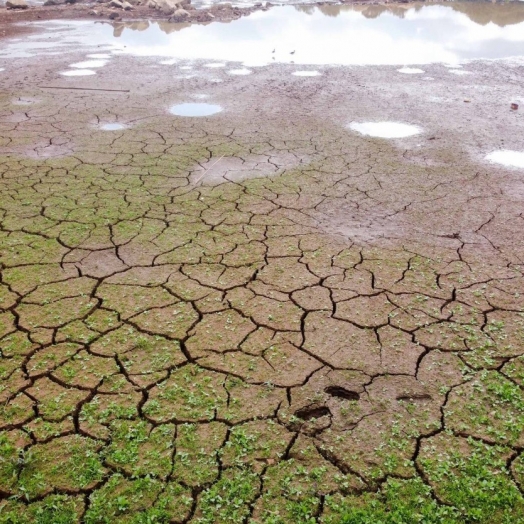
x=460 y=72
x=78 y=72
x=507 y=158
x=195 y=109
x=112 y=127
x=385 y=129
x=24 y=101
x=306 y=73
x=243 y=71
x=88 y=64
x=99 y=56
x=411 y=71
x=215 y=65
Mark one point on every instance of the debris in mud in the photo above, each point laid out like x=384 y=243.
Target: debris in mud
x=514 y=106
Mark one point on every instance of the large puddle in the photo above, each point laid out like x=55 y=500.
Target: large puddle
x=329 y=34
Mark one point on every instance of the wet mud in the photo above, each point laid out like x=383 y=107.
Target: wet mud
x=260 y=306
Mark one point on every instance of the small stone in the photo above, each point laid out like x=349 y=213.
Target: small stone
x=514 y=106
x=127 y=6
x=114 y=16
x=117 y=4
x=54 y=2
x=93 y=12
x=16 y=4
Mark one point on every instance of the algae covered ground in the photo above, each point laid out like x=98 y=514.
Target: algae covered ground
x=259 y=316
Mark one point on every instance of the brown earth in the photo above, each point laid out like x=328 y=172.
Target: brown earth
x=261 y=298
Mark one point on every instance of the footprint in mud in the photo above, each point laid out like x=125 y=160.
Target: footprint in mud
x=312 y=412
x=415 y=397
x=194 y=109
x=343 y=393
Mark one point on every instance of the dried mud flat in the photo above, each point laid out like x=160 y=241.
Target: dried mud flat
x=260 y=316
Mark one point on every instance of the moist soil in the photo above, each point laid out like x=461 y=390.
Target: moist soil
x=259 y=316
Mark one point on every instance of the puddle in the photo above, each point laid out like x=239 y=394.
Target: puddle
x=195 y=109
x=24 y=101
x=242 y=71
x=78 y=72
x=460 y=72
x=112 y=127
x=89 y=64
x=99 y=56
x=385 y=129
x=507 y=158
x=398 y=35
x=411 y=71
x=172 y=61
x=215 y=65
x=306 y=73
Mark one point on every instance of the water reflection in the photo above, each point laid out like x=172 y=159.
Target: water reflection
x=350 y=35
x=401 y=35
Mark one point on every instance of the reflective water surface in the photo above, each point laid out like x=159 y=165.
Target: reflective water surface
x=399 y=35
x=195 y=109
x=507 y=158
x=385 y=129
x=114 y=126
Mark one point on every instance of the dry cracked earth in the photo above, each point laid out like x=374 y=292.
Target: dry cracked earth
x=260 y=316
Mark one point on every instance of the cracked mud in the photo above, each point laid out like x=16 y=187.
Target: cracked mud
x=260 y=316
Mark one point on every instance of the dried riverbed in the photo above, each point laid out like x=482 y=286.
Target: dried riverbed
x=260 y=312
